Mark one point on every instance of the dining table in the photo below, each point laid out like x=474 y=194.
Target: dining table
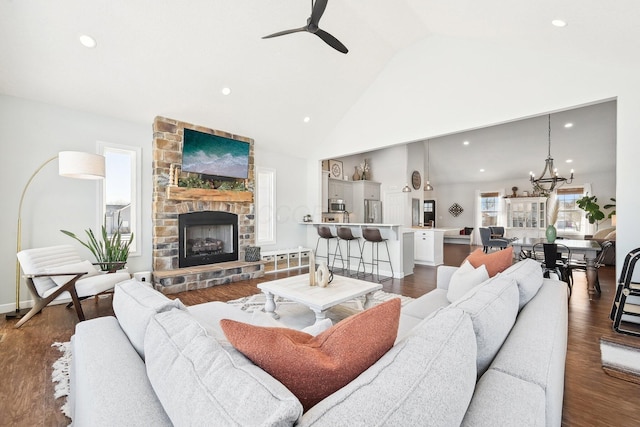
x=588 y=248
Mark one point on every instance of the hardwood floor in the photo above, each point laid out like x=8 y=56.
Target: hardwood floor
x=591 y=398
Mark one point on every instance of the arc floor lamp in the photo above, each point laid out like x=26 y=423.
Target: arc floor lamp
x=72 y=164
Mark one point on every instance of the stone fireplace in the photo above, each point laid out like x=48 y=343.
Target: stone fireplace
x=214 y=252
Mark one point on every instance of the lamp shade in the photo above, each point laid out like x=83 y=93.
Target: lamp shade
x=77 y=164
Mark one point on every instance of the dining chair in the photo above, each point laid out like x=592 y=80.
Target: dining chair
x=489 y=242
x=554 y=258
x=581 y=265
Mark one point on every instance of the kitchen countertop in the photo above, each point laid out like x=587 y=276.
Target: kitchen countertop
x=353 y=224
x=417 y=227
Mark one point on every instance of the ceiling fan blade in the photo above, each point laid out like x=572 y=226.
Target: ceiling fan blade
x=282 y=33
x=331 y=41
x=317 y=11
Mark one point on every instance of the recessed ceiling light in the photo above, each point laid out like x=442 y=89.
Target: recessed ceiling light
x=481 y=170
x=559 y=23
x=306 y=119
x=87 y=41
x=569 y=161
x=465 y=143
x=568 y=125
x=226 y=91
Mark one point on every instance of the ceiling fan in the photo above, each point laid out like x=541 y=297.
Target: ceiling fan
x=317 y=9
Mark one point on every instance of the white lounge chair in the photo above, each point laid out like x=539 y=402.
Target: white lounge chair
x=58 y=272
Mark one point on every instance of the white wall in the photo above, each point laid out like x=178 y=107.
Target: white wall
x=416 y=153
x=421 y=95
x=31 y=133
x=292 y=206
x=602 y=185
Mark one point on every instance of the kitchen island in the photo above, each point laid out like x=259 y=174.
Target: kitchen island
x=400 y=241
x=429 y=245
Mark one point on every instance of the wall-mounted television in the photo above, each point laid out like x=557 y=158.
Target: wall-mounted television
x=214 y=155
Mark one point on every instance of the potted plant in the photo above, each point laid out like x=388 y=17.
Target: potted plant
x=611 y=205
x=590 y=205
x=111 y=252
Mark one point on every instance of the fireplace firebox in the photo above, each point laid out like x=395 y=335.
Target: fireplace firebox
x=207 y=237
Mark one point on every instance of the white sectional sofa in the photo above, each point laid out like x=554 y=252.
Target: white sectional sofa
x=493 y=357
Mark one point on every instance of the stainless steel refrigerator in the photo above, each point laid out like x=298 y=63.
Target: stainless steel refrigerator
x=372 y=211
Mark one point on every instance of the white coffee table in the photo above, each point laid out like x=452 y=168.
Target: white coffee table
x=319 y=300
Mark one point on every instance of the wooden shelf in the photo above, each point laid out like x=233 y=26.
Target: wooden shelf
x=205 y=194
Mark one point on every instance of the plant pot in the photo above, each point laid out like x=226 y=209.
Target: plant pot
x=112 y=267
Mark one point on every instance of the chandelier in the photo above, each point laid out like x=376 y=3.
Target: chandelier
x=547 y=183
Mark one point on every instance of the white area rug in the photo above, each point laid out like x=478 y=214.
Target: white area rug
x=292 y=315
x=60 y=375
x=297 y=316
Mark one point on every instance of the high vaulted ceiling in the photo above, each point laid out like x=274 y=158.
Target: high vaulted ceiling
x=582 y=138
x=172 y=58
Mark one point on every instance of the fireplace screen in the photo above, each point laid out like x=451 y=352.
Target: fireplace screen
x=207 y=238
x=203 y=240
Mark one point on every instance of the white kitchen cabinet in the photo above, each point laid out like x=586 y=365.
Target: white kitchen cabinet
x=429 y=247
x=366 y=190
x=325 y=191
x=339 y=189
x=336 y=189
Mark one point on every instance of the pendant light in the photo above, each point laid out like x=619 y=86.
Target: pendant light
x=428 y=186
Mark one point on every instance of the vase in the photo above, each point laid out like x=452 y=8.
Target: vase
x=322 y=275
x=551 y=234
x=356 y=174
x=364 y=176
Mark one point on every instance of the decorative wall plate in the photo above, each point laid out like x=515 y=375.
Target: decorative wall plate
x=416 y=180
x=455 y=209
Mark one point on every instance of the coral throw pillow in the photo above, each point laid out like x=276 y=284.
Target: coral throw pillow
x=311 y=367
x=495 y=262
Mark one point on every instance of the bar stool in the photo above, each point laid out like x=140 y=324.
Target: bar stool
x=372 y=235
x=324 y=232
x=344 y=233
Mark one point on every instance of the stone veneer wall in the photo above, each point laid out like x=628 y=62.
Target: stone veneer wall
x=167 y=150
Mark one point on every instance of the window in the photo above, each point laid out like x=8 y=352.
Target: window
x=265 y=206
x=490 y=208
x=569 y=215
x=120 y=191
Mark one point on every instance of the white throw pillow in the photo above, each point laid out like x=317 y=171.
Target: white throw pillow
x=493 y=307
x=528 y=275
x=134 y=304
x=200 y=382
x=78 y=267
x=464 y=279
